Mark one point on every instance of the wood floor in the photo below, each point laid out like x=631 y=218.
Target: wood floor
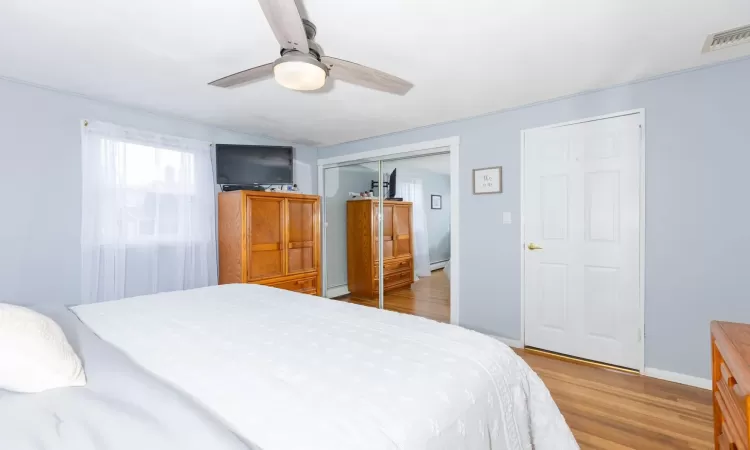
x=429 y=297
x=605 y=409
x=612 y=410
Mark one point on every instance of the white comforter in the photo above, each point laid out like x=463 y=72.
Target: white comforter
x=288 y=371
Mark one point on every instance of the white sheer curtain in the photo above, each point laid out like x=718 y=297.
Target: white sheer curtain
x=412 y=191
x=149 y=215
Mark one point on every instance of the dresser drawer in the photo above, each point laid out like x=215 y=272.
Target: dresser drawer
x=731 y=384
x=724 y=443
x=304 y=285
x=390 y=267
x=734 y=395
x=733 y=430
x=397 y=279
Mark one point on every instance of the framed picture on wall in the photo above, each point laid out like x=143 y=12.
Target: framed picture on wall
x=488 y=180
x=436 y=201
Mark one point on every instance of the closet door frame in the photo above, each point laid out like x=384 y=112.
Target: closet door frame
x=448 y=145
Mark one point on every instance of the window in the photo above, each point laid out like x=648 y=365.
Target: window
x=158 y=186
x=148 y=213
x=147 y=188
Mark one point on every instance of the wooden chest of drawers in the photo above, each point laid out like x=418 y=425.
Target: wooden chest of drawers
x=730 y=351
x=270 y=238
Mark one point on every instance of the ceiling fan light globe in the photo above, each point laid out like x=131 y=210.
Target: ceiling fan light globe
x=300 y=75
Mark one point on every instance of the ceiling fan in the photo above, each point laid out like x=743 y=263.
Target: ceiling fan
x=302 y=65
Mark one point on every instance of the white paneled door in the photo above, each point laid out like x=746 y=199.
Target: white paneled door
x=582 y=234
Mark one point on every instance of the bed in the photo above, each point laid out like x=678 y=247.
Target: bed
x=249 y=366
x=285 y=370
x=122 y=407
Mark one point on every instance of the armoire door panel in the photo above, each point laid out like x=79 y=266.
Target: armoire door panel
x=402 y=230
x=388 y=247
x=388 y=221
x=265 y=238
x=301 y=236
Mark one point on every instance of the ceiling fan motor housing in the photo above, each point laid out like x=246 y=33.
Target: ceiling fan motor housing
x=310 y=31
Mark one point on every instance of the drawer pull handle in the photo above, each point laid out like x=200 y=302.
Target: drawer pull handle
x=301 y=281
x=726 y=375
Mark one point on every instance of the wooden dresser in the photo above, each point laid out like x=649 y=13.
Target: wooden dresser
x=730 y=350
x=270 y=238
x=362 y=246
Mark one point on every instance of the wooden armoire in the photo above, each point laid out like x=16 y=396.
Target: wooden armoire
x=362 y=246
x=270 y=238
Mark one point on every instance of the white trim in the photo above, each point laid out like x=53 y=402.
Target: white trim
x=513 y=343
x=417 y=148
x=437 y=265
x=323 y=226
x=455 y=288
x=337 y=291
x=629 y=112
x=522 y=221
x=675 y=377
x=452 y=145
x=642 y=242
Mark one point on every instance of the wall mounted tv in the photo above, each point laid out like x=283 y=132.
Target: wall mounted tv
x=247 y=165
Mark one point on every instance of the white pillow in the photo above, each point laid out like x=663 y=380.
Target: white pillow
x=34 y=353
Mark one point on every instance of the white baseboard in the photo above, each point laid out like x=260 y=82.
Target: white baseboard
x=514 y=343
x=438 y=265
x=337 y=291
x=675 y=377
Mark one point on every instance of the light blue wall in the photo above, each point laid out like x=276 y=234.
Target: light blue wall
x=697 y=207
x=438 y=220
x=40 y=184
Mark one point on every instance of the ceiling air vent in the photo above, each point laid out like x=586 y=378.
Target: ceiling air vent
x=728 y=38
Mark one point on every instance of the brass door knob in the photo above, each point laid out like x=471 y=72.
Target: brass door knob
x=533 y=246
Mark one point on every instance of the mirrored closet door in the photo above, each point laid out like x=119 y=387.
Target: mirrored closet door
x=387 y=234
x=352 y=216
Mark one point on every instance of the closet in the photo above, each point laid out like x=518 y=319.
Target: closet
x=270 y=238
x=362 y=246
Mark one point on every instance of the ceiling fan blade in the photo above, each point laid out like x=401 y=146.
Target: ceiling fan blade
x=286 y=23
x=244 y=77
x=364 y=76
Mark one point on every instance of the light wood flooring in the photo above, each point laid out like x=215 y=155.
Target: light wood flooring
x=604 y=408
x=613 y=410
x=429 y=297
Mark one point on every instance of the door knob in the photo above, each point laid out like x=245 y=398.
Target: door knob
x=533 y=246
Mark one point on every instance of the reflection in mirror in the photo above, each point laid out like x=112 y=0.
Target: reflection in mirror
x=347 y=189
x=415 y=279
x=415 y=227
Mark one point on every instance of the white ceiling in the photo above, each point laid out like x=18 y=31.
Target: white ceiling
x=466 y=57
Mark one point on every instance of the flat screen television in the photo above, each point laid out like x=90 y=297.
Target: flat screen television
x=254 y=164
